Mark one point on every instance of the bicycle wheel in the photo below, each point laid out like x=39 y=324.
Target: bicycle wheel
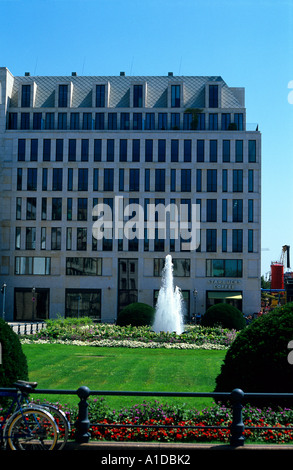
x=32 y=429
x=62 y=423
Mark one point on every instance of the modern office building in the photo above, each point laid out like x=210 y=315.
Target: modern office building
x=69 y=143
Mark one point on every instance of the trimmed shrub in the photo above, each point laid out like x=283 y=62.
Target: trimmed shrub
x=225 y=315
x=136 y=314
x=257 y=360
x=14 y=364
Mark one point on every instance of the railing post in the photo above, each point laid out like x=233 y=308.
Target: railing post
x=82 y=423
x=237 y=426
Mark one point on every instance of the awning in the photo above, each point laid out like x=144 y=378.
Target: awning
x=225 y=295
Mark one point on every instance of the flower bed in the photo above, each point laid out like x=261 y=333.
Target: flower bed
x=108 y=335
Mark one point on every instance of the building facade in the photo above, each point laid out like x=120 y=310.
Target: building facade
x=69 y=144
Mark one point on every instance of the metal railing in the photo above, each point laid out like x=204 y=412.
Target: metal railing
x=235 y=398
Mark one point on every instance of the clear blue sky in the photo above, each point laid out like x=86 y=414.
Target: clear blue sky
x=249 y=43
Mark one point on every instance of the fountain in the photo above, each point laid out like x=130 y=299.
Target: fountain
x=169 y=308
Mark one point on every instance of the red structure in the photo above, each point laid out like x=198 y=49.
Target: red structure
x=277 y=276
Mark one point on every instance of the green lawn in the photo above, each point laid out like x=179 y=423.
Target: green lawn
x=56 y=366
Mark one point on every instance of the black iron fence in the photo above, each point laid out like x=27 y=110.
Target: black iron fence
x=235 y=399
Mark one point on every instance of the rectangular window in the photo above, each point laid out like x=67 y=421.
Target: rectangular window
x=237 y=240
x=133 y=179
x=17 y=238
x=124 y=122
x=59 y=150
x=37 y=121
x=49 y=121
x=110 y=150
x=21 y=150
x=121 y=179
x=63 y=96
x=72 y=150
x=226 y=150
x=100 y=96
x=62 y=121
x=30 y=240
x=252 y=151
x=57 y=179
x=83 y=267
x=211 y=240
x=137 y=121
x=108 y=179
x=96 y=179
x=213 y=96
x=224 y=210
x=45 y=179
x=31 y=208
x=147 y=180
x=174 y=150
x=200 y=150
x=32 y=180
x=162 y=122
x=47 y=150
x=137 y=96
x=250 y=241
x=198 y=180
x=175 y=96
x=97 y=150
x=82 y=179
x=160 y=180
x=70 y=179
x=25 y=96
x=68 y=239
x=82 y=208
x=213 y=122
x=250 y=181
x=237 y=181
x=211 y=210
x=56 y=238
x=237 y=210
x=84 y=150
x=12 y=121
x=148 y=150
x=238 y=119
x=19 y=179
x=43 y=238
x=123 y=150
x=74 y=121
x=112 y=121
x=213 y=150
x=25 y=121
x=250 y=210
x=18 y=208
x=87 y=122
x=212 y=180
x=161 y=150
x=175 y=121
x=25 y=265
x=81 y=244
x=136 y=150
x=150 y=121
x=173 y=180
x=56 y=208
x=225 y=181
x=187 y=150
x=224 y=240
x=69 y=208
x=44 y=208
x=226 y=120
x=186 y=180
x=224 y=268
x=239 y=151
x=100 y=121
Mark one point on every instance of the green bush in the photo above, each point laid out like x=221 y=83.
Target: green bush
x=136 y=314
x=13 y=365
x=257 y=360
x=225 y=315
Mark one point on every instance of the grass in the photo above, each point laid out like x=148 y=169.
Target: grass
x=56 y=366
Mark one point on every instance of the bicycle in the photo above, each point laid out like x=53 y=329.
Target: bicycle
x=58 y=415
x=28 y=427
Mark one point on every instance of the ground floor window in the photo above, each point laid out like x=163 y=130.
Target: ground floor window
x=229 y=297
x=83 y=303
x=31 y=304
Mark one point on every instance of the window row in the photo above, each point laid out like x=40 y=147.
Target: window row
x=78 y=239
x=137 y=150
x=135 y=179
x=101 y=93
x=211 y=210
x=125 y=121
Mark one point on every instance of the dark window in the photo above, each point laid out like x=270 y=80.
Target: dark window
x=213 y=150
x=37 y=121
x=25 y=96
x=112 y=121
x=213 y=122
x=226 y=120
x=160 y=180
x=72 y=150
x=137 y=121
x=31 y=208
x=162 y=124
x=124 y=121
x=134 y=179
x=211 y=210
x=100 y=121
x=252 y=151
x=239 y=151
x=34 y=150
x=62 y=121
x=198 y=180
x=174 y=150
x=21 y=150
x=136 y=150
x=32 y=174
x=70 y=179
x=56 y=208
x=97 y=150
x=59 y=150
x=200 y=150
x=87 y=121
x=213 y=96
x=175 y=96
x=123 y=150
x=100 y=96
x=63 y=96
x=49 y=121
x=82 y=208
x=19 y=179
x=84 y=150
x=187 y=150
x=148 y=150
x=212 y=180
x=161 y=150
x=226 y=150
x=237 y=181
x=57 y=179
x=237 y=240
x=56 y=238
x=150 y=121
x=185 y=180
x=25 y=121
x=237 y=210
x=12 y=121
x=45 y=179
x=96 y=179
x=137 y=96
x=82 y=179
x=211 y=240
x=110 y=150
x=47 y=150
x=108 y=179
x=74 y=121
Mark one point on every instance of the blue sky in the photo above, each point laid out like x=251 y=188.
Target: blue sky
x=249 y=43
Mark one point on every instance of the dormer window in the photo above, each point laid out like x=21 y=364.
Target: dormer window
x=213 y=96
x=25 y=96
x=100 y=96
x=63 y=96
x=137 y=96
x=175 y=96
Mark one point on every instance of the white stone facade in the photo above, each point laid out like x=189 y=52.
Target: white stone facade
x=68 y=143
